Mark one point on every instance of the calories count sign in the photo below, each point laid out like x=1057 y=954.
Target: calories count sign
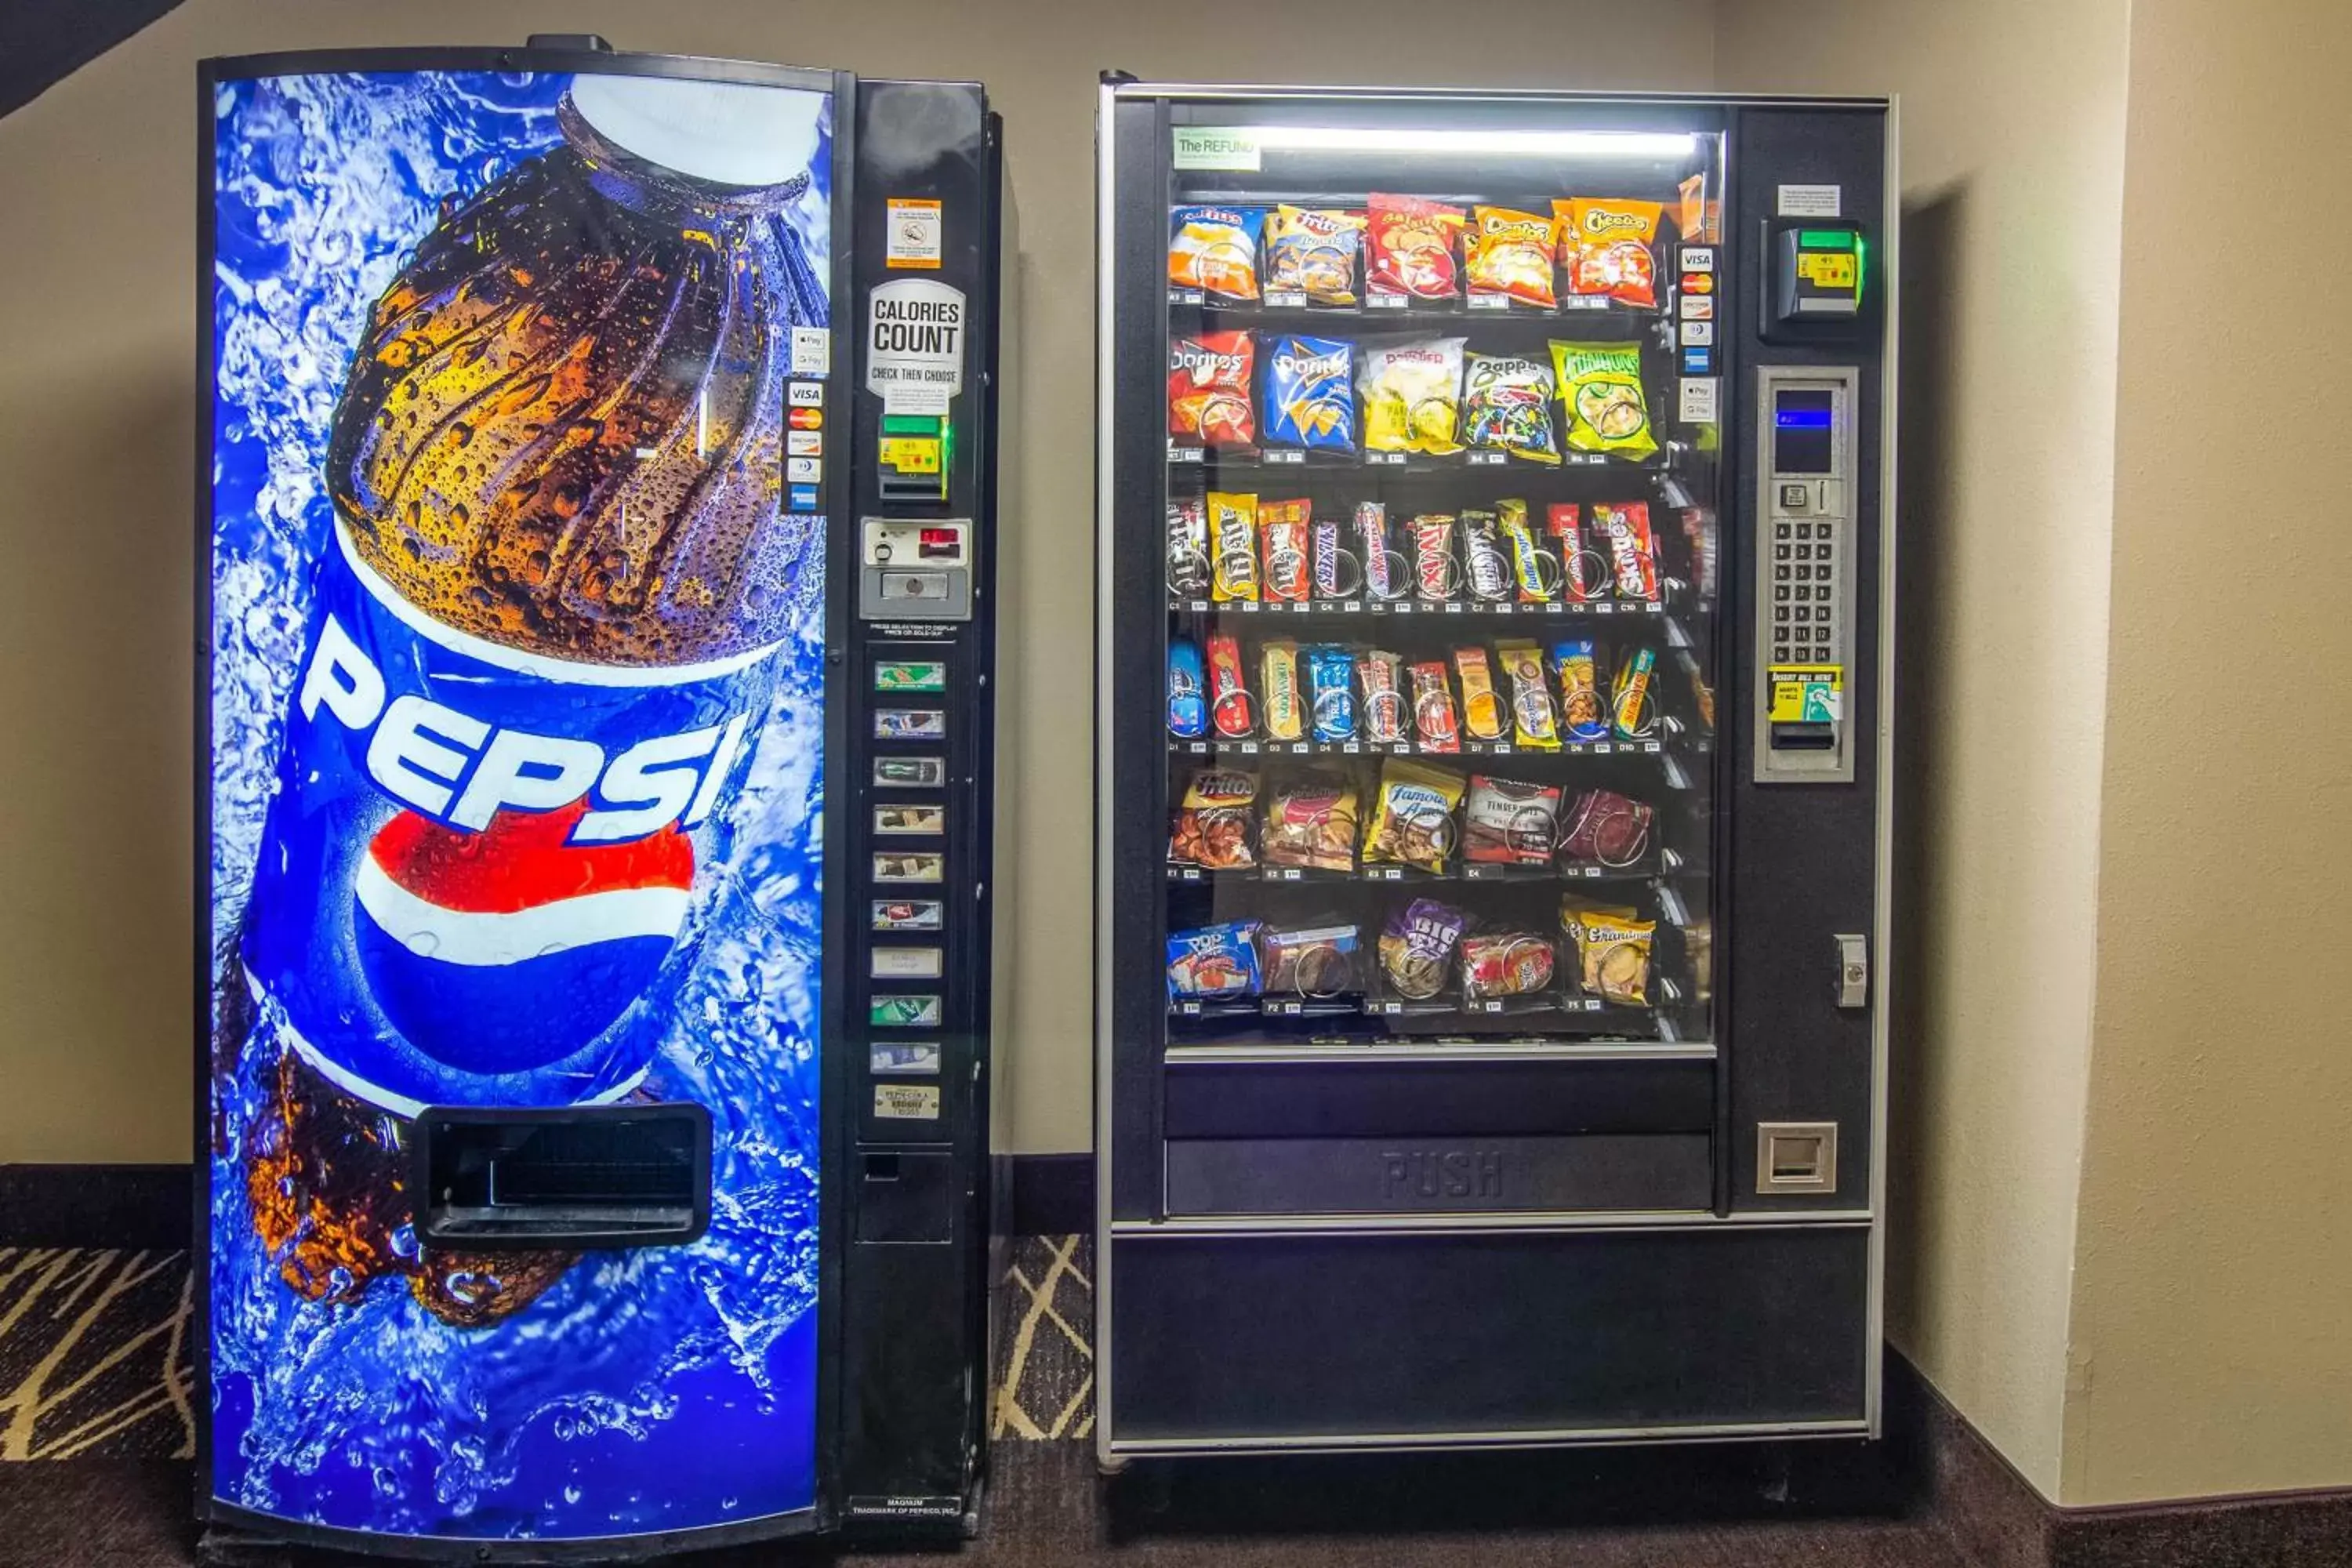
x=914 y=345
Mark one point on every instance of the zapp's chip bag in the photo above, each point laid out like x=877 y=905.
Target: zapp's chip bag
x=1208 y=389
x=1413 y=247
x=1506 y=406
x=1413 y=395
x=1601 y=385
x=1312 y=251
x=1607 y=246
x=1310 y=394
x=1508 y=255
x=1215 y=249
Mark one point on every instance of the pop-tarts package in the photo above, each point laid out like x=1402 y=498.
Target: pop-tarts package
x=1215 y=962
x=1310 y=398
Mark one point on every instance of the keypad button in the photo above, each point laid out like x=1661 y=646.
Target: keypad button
x=1780 y=614
x=1780 y=652
x=1804 y=612
x=1784 y=593
x=1780 y=552
x=1804 y=530
x=1804 y=553
x=1779 y=574
x=1780 y=530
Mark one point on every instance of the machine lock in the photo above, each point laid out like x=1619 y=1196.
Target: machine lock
x=1852 y=970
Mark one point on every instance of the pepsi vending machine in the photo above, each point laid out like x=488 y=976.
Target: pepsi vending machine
x=596 y=513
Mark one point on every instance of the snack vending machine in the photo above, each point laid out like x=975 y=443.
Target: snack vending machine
x=595 y=521
x=1494 y=733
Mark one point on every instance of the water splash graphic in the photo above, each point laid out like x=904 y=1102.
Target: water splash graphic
x=656 y=1390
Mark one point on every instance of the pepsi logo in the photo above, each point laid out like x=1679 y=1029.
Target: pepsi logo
x=507 y=950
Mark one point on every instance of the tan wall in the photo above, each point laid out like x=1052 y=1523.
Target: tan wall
x=2213 y=1290
x=2012 y=143
x=97 y=299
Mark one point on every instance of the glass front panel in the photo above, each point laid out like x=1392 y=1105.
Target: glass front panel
x=1441 y=572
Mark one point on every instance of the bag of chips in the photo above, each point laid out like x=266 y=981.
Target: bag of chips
x=1310 y=398
x=1605 y=829
x=1606 y=244
x=1612 y=951
x=1282 y=527
x=1215 y=249
x=1499 y=963
x=1187 y=703
x=1314 y=962
x=1212 y=824
x=1312 y=251
x=1310 y=822
x=1215 y=962
x=1232 y=528
x=1412 y=391
x=1507 y=408
x=1507 y=823
x=1412 y=817
x=1509 y=254
x=1600 y=385
x=1411 y=246
x=1209 y=390
x=1417 y=948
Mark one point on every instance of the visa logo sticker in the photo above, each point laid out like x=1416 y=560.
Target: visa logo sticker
x=805 y=394
x=803 y=498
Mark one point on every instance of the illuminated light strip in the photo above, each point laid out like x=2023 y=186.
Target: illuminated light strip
x=1530 y=143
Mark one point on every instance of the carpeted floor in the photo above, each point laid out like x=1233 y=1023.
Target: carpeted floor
x=94 y=1395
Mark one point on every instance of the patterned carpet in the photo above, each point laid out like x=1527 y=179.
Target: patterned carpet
x=94 y=1349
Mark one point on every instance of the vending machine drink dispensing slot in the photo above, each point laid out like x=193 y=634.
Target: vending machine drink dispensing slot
x=597 y=700
x=1495 y=545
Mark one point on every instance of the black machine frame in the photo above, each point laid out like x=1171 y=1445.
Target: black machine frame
x=232 y=1532
x=1810 y=1266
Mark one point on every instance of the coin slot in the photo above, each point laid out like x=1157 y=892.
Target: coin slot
x=1796 y=1157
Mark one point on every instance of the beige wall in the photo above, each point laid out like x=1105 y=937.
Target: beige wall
x=2013 y=145
x=2212 y=1299
x=97 y=299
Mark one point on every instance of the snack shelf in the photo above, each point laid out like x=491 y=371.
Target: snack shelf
x=1611 y=609
x=1276 y=463
x=1315 y=1053
x=1281 y=307
x=1648 y=869
x=1556 y=1011
x=1222 y=748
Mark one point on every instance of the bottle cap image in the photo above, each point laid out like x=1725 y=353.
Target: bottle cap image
x=729 y=133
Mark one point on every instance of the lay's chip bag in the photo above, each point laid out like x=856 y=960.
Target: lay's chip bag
x=1215 y=249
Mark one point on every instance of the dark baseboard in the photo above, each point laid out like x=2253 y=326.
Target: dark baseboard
x=135 y=1206
x=153 y=1205
x=1996 y=1519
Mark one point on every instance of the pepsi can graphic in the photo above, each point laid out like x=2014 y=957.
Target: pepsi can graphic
x=478 y=868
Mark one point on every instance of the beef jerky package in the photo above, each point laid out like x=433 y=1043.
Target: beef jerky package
x=1507 y=823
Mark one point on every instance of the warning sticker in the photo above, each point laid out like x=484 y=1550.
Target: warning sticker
x=913 y=239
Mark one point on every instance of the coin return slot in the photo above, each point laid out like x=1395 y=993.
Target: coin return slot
x=600 y=1176
x=1796 y=1157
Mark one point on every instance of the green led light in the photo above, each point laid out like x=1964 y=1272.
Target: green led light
x=1829 y=239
